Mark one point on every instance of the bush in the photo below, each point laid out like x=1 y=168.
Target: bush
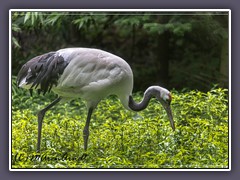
x=120 y=138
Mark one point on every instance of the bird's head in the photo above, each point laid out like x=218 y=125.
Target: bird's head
x=165 y=98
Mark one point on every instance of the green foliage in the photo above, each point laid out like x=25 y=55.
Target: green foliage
x=15 y=28
x=191 y=44
x=120 y=138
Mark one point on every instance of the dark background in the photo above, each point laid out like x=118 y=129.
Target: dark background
x=4 y=75
x=181 y=50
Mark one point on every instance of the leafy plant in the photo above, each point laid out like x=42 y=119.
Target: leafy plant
x=120 y=138
x=179 y=50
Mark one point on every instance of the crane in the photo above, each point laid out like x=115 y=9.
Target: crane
x=86 y=73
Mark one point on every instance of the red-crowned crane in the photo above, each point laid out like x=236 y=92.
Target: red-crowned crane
x=90 y=74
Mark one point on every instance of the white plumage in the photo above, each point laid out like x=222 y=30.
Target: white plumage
x=94 y=74
x=90 y=74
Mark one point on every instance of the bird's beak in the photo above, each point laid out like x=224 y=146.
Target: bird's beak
x=169 y=113
x=170 y=116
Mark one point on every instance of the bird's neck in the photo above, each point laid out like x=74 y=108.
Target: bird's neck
x=149 y=93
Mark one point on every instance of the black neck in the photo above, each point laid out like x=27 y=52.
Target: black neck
x=144 y=103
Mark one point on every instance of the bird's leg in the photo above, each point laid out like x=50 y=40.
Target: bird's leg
x=86 y=129
x=41 y=115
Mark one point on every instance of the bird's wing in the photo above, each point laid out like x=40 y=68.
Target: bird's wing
x=43 y=70
x=90 y=71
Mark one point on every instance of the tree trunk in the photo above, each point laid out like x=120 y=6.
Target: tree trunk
x=162 y=61
x=162 y=52
x=224 y=65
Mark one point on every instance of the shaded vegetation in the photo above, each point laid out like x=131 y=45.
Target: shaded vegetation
x=172 y=49
x=120 y=138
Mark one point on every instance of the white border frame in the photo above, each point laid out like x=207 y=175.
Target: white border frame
x=117 y=10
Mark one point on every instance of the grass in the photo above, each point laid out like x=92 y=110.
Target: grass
x=120 y=138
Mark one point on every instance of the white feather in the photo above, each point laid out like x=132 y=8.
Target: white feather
x=93 y=74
